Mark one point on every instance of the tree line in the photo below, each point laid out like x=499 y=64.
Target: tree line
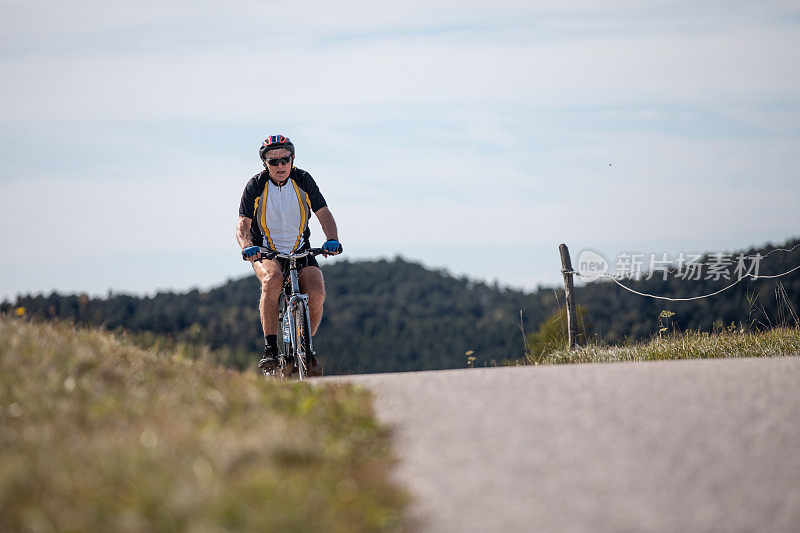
x=397 y=315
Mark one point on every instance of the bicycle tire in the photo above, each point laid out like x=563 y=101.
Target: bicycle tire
x=284 y=371
x=303 y=338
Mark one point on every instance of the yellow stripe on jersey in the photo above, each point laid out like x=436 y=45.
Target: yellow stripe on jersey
x=263 y=220
x=303 y=215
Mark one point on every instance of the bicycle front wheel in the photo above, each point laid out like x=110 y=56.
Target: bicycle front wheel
x=288 y=355
x=302 y=338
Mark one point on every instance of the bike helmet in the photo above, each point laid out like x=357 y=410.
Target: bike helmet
x=275 y=142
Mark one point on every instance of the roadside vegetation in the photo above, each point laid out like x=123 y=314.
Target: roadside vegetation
x=775 y=342
x=775 y=338
x=99 y=435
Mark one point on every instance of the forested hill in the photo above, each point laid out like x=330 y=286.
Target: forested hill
x=614 y=314
x=398 y=315
x=379 y=316
x=401 y=316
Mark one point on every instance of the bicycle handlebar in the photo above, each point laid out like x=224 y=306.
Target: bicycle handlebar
x=266 y=253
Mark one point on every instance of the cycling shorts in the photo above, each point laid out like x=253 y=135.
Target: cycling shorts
x=303 y=262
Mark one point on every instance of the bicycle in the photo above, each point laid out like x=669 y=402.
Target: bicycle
x=294 y=340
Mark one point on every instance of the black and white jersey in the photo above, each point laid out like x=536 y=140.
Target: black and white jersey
x=280 y=214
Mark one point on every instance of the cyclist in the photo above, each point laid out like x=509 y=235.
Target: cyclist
x=274 y=212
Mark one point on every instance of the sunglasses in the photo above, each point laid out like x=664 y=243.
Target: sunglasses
x=279 y=161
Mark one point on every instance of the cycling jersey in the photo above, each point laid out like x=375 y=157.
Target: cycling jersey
x=280 y=214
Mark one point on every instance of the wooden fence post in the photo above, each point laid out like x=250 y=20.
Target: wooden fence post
x=572 y=318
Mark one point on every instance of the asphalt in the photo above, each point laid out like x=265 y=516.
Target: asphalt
x=705 y=445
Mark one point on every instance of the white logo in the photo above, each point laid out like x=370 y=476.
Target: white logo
x=591 y=264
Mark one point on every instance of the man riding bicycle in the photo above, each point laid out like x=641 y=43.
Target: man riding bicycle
x=280 y=200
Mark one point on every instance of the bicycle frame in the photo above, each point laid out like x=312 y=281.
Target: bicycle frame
x=295 y=299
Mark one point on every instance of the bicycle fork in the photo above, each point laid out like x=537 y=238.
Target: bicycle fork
x=295 y=301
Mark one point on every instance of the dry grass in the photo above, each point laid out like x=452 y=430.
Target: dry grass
x=97 y=435
x=689 y=345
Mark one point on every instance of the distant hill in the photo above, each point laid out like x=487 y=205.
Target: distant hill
x=379 y=316
x=617 y=314
x=397 y=315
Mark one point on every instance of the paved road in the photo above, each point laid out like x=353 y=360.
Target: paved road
x=661 y=446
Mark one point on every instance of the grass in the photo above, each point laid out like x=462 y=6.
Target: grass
x=99 y=435
x=688 y=345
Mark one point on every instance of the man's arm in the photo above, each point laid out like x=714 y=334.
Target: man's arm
x=325 y=218
x=243 y=235
x=243 y=232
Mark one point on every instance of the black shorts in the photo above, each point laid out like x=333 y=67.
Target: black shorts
x=303 y=262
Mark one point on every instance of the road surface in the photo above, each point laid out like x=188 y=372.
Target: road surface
x=704 y=445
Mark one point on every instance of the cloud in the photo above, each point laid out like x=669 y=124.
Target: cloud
x=199 y=63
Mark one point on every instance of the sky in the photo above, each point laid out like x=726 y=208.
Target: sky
x=468 y=136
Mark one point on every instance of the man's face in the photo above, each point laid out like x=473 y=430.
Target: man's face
x=279 y=172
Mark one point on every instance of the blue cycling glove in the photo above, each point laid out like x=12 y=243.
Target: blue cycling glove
x=332 y=247
x=250 y=251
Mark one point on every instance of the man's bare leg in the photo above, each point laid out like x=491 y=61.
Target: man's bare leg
x=271 y=278
x=311 y=283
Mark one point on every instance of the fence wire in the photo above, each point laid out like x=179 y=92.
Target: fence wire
x=615 y=279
